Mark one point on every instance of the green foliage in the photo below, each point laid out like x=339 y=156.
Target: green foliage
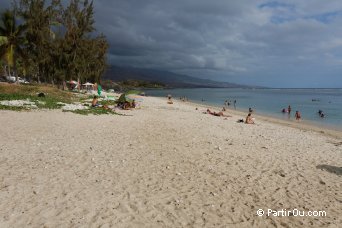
x=131 y=84
x=33 y=90
x=57 y=42
x=108 y=102
x=29 y=92
x=133 y=92
x=94 y=111
x=41 y=102
x=52 y=97
x=11 y=40
x=12 y=108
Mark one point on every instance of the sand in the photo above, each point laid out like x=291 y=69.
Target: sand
x=164 y=166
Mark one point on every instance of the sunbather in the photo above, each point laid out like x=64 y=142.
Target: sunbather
x=217 y=113
x=95 y=102
x=249 y=119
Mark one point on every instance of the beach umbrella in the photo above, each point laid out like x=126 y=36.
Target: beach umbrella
x=72 y=82
x=88 y=84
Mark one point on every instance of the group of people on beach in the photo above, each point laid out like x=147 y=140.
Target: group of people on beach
x=298 y=116
x=217 y=113
x=121 y=105
x=228 y=103
x=249 y=119
x=183 y=98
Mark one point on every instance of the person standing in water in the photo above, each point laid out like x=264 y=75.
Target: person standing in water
x=297 y=115
x=289 y=109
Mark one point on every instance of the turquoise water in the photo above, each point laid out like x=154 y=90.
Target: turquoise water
x=271 y=101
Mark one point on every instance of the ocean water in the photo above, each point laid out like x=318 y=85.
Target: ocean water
x=270 y=101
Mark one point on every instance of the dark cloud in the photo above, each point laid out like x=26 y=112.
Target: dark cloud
x=262 y=42
x=246 y=41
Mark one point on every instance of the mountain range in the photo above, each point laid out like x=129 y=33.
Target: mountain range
x=169 y=79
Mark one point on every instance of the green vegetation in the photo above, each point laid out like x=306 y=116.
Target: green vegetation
x=140 y=84
x=131 y=84
x=53 y=95
x=53 y=43
x=94 y=111
x=51 y=100
x=133 y=92
x=12 y=108
x=11 y=40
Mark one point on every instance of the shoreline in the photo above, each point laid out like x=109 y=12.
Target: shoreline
x=269 y=106
x=302 y=125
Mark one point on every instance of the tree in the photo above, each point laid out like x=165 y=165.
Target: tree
x=61 y=44
x=78 y=20
x=39 y=19
x=11 y=40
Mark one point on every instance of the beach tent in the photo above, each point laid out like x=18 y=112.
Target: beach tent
x=72 y=82
x=88 y=86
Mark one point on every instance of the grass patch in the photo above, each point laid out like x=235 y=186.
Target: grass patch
x=108 y=102
x=32 y=90
x=95 y=111
x=133 y=92
x=29 y=92
x=52 y=97
x=12 y=108
x=47 y=102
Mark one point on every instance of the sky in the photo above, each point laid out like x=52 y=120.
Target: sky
x=289 y=43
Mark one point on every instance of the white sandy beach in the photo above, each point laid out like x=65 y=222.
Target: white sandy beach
x=164 y=166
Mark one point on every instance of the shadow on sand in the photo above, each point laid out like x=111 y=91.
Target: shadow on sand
x=331 y=169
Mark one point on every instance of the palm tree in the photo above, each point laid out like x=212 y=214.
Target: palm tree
x=11 y=40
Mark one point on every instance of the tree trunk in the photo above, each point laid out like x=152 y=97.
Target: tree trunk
x=15 y=69
x=78 y=83
x=9 y=71
x=38 y=79
x=64 y=85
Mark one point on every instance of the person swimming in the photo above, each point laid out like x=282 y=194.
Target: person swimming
x=321 y=113
x=217 y=113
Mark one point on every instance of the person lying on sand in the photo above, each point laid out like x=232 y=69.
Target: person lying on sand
x=249 y=119
x=126 y=105
x=217 y=113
